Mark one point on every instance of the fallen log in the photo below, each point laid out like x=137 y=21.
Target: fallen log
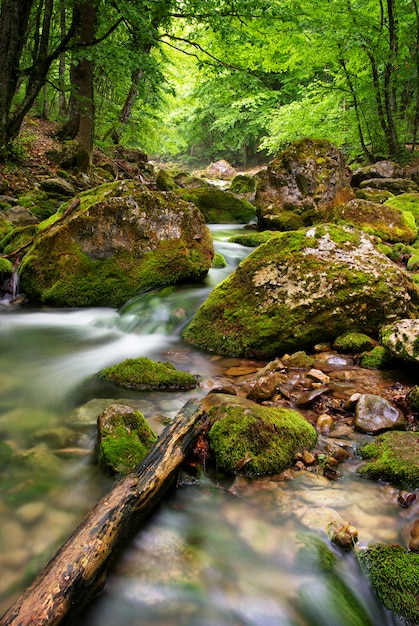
x=78 y=570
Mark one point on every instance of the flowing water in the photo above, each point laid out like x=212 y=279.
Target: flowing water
x=218 y=552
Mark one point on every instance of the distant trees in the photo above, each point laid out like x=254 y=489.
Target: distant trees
x=255 y=74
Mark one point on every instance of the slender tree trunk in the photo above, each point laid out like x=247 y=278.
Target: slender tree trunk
x=352 y=89
x=62 y=104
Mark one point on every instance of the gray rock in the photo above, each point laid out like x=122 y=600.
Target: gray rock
x=374 y=415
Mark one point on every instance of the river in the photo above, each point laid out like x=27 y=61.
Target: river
x=217 y=552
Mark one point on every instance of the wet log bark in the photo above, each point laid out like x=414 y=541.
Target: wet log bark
x=78 y=571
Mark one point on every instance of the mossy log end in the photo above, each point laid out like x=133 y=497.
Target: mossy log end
x=78 y=570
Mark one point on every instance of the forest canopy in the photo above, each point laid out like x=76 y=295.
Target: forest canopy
x=207 y=79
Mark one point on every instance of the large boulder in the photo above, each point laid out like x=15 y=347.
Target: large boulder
x=121 y=240
x=308 y=175
x=245 y=436
x=387 y=221
x=302 y=288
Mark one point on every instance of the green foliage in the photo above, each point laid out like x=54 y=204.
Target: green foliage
x=142 y=373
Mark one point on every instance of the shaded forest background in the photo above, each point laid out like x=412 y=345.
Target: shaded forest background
x=199 y=80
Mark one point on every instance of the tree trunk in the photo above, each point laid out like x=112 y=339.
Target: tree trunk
x=78 y=570
x=14 y=18
x=62 y=104
x=87 y=109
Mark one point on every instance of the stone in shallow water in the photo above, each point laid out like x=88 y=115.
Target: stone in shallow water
x=374 y=414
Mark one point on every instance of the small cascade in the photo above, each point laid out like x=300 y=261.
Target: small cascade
x=9 y=290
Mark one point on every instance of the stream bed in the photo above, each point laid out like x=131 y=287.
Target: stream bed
x=219 y=551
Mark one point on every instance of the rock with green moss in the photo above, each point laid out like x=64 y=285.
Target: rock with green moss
x=121 y=240
x=219 y=261
x=392 y=457
x=243 y=184
x=353 y=342
x=381 y=220
x=376 y=359
x=20 y=216
x=413 y=398
x=16 y=238
x=245 y=436
x=393 y=572
x=413 y=263
x=401 y=339
x=299 y=289
x=380 y=169
x=253 y=239
x=143 y=373
x=309 y=174
x=124 y=438
x=395 y=185
x=165 y=181
x=379 y=196
x=6 y=269
x=406 y=202
x=6 y=227
x=219 y=207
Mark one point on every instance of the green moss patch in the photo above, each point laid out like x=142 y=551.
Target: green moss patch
x=378 y=358
x=393 y=572
x=247 y=437
x=393 y=457
x=142 y=373
x=253 y=240
x=353 y=342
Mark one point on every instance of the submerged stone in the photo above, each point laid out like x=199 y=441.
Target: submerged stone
x=303 y=288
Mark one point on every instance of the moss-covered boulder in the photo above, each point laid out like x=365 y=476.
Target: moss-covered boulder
x=393 y=572
x=406 y=202
x=394 y=185
x=380 y=169
x=121 y=240
x=392 y=457
x=381 y=220
x=299 y=289
x=309 y=174
x=143 y=373
x=245 y=436
x=401 y=339
x=124 y=438
x=219 y=207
